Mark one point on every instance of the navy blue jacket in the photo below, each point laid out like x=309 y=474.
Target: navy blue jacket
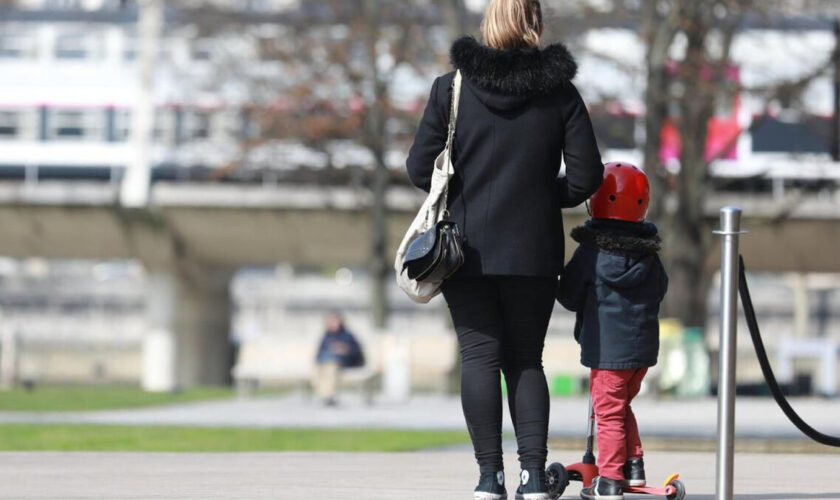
x=353 y=358
x=615 y=283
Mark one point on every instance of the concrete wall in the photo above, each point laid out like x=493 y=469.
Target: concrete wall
x=197 y=235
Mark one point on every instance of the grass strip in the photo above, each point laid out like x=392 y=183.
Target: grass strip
x=106 y=397
x=28 y=437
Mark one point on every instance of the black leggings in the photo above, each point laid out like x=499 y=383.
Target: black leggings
x=501 y=323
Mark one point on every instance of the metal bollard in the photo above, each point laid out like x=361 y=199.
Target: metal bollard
x=730 y=230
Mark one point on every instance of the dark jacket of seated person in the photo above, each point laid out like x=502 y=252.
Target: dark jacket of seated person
x=342 y=347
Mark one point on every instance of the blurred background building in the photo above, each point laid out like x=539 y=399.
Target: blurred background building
x=187 y=187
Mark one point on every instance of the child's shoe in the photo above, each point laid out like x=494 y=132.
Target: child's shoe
x=634 y=472
x=603 y=488
x=491 y=486
x=532 y=485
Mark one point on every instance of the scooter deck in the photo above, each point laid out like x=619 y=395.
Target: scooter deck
x=668 y=490
x=586 y=473
x=647 y=490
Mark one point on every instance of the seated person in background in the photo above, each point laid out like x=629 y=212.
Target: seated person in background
x=339 y=349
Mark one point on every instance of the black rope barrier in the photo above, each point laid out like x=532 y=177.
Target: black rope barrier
x=761 y=353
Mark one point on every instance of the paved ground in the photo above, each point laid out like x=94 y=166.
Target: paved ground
x=755 y=417
x=332 y=476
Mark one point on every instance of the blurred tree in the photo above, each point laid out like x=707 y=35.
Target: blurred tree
x=688 y=57
x=329 y=76
x=658 y=33
x=376 y=139
x=685 y=90
x=456 y=16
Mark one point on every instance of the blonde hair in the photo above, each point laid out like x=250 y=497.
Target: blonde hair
x=510 y=24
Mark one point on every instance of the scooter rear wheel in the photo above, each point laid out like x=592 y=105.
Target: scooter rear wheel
x=557 y=479
x=680 y=493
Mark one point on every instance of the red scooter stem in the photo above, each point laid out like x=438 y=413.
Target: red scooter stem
x=586 y=471
x=589 y=456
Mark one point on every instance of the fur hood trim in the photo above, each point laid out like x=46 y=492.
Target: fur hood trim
x=645 y=242
x=520 y=72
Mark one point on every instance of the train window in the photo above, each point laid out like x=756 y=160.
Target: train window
x=614 y=131
x=71 y=46
x=69 y=125
x=122 y=124
x=228 y=124
x=74 y=125
x=9 y=124
x=77 y=45
x=130 y=48
x=16 y=45
x=201 y=50
x=198 y=125
x=63 y=4
x=166 y=126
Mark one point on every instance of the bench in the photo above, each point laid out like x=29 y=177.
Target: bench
x=432 y=359
x=280 y=362
x=825 y=350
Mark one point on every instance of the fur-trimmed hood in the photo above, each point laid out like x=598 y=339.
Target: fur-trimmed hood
x=506 y=79
x=623 y=253
x=620 y=237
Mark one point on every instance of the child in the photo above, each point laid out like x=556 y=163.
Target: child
x=615 y=283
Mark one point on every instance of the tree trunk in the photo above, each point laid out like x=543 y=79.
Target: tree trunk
x=835 y=132
x=379 y=266
x=659 y=34
x=685 y=230
x=376 y=141
x=682 y=230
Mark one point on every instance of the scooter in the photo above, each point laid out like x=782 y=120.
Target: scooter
x=558 y=476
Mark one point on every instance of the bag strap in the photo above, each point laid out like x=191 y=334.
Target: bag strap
x=453 y=110
x=450 y=137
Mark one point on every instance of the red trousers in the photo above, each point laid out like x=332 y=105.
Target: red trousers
x=618 y=434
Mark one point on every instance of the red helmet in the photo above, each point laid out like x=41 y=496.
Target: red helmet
x=624 y=194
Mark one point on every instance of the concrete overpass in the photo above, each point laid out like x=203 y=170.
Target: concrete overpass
x=192 y=238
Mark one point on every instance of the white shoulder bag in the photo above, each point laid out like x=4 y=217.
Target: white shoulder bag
x=432 y=211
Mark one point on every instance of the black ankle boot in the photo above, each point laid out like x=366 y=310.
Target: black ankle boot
x=603 y=488
x=491 y=486
x=532 y=485
x=634 y=472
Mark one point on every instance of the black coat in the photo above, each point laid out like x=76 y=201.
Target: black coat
x=615 y=282
x=519 y=113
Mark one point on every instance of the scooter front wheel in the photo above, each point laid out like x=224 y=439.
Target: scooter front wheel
x=679 y=494
x=556 y=479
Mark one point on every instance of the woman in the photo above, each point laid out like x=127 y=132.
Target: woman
x=518 y=114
